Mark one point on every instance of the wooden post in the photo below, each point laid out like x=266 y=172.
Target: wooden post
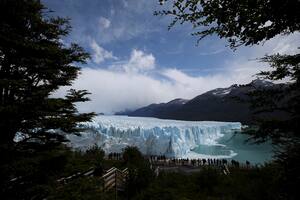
x=116 y=189
x=103 y=184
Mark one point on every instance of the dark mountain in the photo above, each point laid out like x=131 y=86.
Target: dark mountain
x=160 y=110
x=221 y=104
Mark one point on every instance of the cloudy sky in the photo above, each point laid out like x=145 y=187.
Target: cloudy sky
x=136 y=61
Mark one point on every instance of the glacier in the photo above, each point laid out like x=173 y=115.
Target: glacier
x=152 y=136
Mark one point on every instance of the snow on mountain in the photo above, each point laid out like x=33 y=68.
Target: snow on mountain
x=261 y=83
x=221 y=104
x=151 y=135
x=221 y=91
x=177 y=101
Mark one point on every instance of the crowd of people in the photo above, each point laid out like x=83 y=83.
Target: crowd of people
x=164 y=160
x=115 y=156
x=161 y=159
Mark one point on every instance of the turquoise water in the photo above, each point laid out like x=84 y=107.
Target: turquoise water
x=256 y=154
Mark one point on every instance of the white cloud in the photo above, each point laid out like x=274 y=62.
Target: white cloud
x=104 y=23
x=99 y=53
x=286 y=45
x=127 y=20
x=114 y=91
x=212 y=52
x=139 y=62
x=282 y=44
x=130 y=87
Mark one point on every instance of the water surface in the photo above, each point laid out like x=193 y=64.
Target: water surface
x=234 y=145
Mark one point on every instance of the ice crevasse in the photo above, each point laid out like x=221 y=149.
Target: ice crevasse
x=152 y=136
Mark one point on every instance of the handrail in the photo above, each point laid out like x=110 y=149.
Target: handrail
x=114 y=178
x=111 y=169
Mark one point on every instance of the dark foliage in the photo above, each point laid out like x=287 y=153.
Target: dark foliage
x=248 y=23
x=34 y=175
x=34 y=63
x=140 y=173
x=245 y=22
x=209 y=184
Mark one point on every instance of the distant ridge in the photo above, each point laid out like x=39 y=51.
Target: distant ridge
x=220 y=104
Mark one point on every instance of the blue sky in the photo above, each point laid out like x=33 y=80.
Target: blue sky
x=136 y=61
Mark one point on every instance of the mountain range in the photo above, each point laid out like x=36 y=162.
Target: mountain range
x=221 y=104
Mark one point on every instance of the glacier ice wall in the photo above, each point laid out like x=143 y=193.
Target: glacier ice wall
x=152 y=136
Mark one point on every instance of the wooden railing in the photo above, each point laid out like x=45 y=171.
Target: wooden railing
x=115 y=179
x=65 y=180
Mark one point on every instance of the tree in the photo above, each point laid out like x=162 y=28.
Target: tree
x=251 y=22
x=140 y=174
x=34 y=64
x=96 y=155
x=245 y=22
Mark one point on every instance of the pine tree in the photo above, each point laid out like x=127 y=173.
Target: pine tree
x=34 y=64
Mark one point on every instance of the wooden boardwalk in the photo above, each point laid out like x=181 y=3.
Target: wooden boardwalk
x=115 y=179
